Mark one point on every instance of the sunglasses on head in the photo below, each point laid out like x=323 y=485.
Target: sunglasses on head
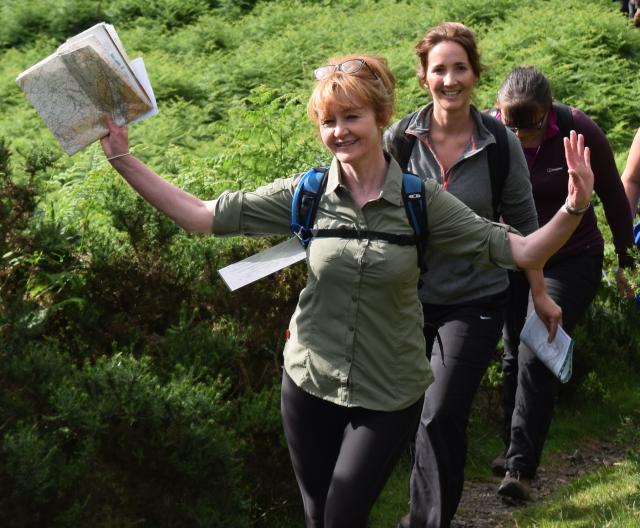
x=537 y=126
x=350 y=67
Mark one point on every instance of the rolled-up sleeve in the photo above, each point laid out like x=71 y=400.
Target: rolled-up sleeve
x=265 y=211
x=456 y=230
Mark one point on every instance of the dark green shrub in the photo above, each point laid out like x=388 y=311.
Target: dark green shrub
x=5 y=157
x=24 y=21
x=109 y=442
x=629 y=434
x=169 y=13
x=207 y=352
x=606 y=343
x=39 y=158
x=268 y=475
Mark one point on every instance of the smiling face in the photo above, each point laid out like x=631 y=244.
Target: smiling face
x=351 y=133
x=449 y=76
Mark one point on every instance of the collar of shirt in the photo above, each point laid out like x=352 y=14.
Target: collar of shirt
x=480 y=138
x=391 y=191
x=552 y=125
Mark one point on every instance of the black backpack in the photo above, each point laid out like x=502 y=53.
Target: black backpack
x=497 y=154
x=565 y=124
x=305 y=206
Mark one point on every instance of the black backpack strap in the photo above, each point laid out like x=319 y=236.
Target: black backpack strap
x=401 y=143
x=498 y=159
x=565 y=124
x=415 y=204
x=360 y=234
x=564 y=117
x=305 y=203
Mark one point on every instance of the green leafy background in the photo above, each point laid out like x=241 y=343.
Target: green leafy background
x=134 y=388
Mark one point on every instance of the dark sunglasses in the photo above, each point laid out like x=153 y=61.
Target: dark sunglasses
x=538 y=126
x=350 y=67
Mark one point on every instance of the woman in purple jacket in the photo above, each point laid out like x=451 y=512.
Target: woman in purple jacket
x=572 y=275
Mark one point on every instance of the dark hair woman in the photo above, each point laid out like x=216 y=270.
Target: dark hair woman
x=572 y=275
x=462 y=303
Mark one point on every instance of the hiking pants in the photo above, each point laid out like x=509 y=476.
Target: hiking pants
x=529 y=388
x=342 y=456
x=469 y=335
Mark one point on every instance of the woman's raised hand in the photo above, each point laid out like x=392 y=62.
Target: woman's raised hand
x=578 y=158
x=117 y=140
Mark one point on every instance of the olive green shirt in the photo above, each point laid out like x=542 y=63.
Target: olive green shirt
x=356 y=334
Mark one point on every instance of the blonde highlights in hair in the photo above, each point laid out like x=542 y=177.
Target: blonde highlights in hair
x=373 y=86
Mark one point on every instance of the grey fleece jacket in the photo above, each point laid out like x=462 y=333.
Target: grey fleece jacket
x=452 y=280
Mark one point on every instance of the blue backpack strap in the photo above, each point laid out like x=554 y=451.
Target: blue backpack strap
x=305 y=206
x=415 y=204
x=305 y=203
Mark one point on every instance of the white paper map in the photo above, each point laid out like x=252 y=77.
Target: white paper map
x=85 y=78
x=262 y=264
x=557 y=355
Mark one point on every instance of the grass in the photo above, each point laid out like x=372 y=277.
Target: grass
x=607 y=498
x=394 y=501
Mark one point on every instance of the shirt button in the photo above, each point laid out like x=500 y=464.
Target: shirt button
x=348 y=360
x=351 y=329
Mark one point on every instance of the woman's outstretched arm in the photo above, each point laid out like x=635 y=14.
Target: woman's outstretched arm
x=188 y=211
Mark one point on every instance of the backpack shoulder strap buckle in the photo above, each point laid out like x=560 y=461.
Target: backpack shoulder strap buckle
x=305 y=203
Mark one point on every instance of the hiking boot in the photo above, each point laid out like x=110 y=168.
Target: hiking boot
x=499 y=466
x=515 y=486
x=404 y=522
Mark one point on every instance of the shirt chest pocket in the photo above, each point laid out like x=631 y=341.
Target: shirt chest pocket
x=331 y=257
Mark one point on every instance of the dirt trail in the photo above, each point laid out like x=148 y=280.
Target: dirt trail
x=481 y=507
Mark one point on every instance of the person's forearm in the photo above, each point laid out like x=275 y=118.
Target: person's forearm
x=632 y=190
x=188 y=211
x=536 y=282
x=631 y=174
x=532 y=251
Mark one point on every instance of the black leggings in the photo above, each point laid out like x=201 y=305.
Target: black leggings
x=341 y=456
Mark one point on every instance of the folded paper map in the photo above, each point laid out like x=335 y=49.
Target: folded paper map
x=262 y=264
x=89 y=75
x=557 y=356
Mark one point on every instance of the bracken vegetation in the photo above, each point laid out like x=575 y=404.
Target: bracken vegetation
x=135 y=390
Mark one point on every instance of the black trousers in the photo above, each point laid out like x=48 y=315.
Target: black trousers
x=529 y=388
x=342 y=456
x=469 y=334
